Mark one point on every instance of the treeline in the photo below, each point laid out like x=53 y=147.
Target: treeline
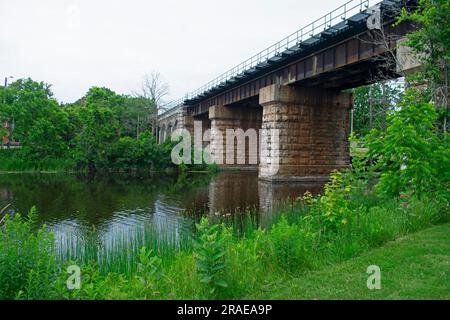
x=101 y=130
x=372 y=105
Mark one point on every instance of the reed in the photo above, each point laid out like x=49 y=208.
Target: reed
x=120 y=253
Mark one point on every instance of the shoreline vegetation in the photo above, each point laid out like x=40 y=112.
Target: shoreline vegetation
x=216 y=260
x=384 y=196
x=10 y=164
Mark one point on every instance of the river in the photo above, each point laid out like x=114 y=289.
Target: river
x=115 y=204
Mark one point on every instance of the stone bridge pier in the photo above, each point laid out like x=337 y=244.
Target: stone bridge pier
x=313 y=129
x=234 y=135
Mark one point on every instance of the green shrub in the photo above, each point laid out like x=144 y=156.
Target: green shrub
x=28 y=267
x=143 y=152
x=250 y=258
x=334 y=203
x=209 y=252
x=17 y=160
x=411 y=156
x=148 y=273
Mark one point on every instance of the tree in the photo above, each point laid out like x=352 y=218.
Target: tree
x=40 y=124
x=136 y=116
x=101 y=130
x=100 y=127
x=372 y=104
x=153 y=90
x=142 y=152
x=431 y=45
x=411 y=156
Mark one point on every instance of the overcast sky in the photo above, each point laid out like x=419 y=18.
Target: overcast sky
x=74 y=45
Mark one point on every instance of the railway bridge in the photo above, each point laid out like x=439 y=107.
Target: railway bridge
x=298 y=88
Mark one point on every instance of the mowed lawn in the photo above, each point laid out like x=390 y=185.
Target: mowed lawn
x=414 y=267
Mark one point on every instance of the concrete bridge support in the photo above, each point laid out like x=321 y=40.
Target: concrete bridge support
x=202 y=119
x=241 y=139
x=313 y=126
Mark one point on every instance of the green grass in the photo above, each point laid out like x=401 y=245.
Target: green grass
x=413 y=267
x=10 y=161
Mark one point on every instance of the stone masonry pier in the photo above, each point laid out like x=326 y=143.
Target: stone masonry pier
x=313 y=128
x=238 y=146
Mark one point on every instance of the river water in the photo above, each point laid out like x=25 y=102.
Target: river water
x=112 y=204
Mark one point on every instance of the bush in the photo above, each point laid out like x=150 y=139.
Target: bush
x=27 y=259
x=411 y=156
x=250 y=257
x=17 y=160
x=210 y=253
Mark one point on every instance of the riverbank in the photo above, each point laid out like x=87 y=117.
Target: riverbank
x=416 y=266
x=219 y=261
x=10 y=164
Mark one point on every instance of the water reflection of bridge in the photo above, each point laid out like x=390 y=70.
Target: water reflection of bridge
x=236 y=192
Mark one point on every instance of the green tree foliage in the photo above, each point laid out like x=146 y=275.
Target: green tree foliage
x=371 y=104
x=101 y=130
x=142 y=152
x=39 y=122
x=100 y=127
x=431 y=45
x=411 y=155
x=137 y=115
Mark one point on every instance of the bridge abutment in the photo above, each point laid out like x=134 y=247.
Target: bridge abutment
x=313 y=129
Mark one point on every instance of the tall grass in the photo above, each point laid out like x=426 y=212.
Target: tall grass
x=11 y=161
